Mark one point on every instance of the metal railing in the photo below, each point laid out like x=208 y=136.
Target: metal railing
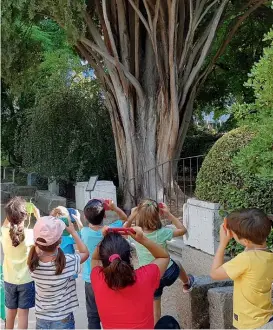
x=171 y=182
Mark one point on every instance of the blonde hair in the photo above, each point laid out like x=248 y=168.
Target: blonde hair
x=147 y=215
x=60 y=211
x=16 y=214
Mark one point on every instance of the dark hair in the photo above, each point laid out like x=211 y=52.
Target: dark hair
x=252 y=224
x=119 y=273
x=33 y=258
x=16 y=213
x=167 y=322
x=148 y=215
x=94 y=211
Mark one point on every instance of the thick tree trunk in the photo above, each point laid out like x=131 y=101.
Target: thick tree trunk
x=150 y=73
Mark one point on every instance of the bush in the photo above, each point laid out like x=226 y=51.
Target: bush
x=222 y=180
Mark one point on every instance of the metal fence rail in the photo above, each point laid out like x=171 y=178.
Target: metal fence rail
x=172 y=182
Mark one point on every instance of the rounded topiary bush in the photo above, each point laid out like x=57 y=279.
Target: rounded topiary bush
x=220 y=180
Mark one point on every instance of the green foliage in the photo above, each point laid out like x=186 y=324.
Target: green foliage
x=198 y=141
x=226 y=83
x=54 y=120
x=238 y=171
x=222 y=180
x=68 y=135
x=257 y=157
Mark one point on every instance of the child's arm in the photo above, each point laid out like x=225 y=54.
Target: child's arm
x=95 y=258
x=217 y=270
x=131 y=218
x=77 y=217
x=180 y=228
x=36 y=212
x=122 y=216
x=83 y=251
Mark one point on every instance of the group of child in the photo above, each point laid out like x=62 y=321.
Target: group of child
x=40 y=270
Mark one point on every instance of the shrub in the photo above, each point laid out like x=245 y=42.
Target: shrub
x=222 y=180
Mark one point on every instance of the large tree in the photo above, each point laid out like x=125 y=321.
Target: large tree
x=151 y=57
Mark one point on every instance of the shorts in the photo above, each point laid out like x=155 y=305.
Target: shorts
x=67 y=323
x=19 y=295
x=169 y=277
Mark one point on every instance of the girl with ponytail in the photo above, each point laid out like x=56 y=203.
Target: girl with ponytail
x=124 y=296
x=16 y=242
x=54 y=273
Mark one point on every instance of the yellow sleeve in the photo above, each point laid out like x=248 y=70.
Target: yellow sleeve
x=237 y=266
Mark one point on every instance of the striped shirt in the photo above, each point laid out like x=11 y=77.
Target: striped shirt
x=56 y=295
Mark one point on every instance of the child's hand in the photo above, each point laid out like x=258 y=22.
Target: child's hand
x=164 y=210
x=70 y=228
x=138 y=236
x=104 y=230
x=77 y=216
x=36 y=212
x=109 y=205
x=225 y=235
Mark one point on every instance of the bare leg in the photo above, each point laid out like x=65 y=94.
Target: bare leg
x=157 y=310
x=10 y=318
x=183 y=275
x=23 y=318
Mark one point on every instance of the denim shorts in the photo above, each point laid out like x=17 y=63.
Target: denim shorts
x=66 y=323
x=169 y=277
x=19 y=295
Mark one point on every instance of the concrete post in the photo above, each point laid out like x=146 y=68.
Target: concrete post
x=13 y=175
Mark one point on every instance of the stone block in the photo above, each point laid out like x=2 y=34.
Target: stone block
x=194 y=261
x=202 y=221
x=46 y=202
x=191 y=309
x=53 y=187
x=221 y=307
x=24 y=191
x=103 y=189
x=8 y=186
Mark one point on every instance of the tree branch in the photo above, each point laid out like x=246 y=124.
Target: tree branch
x=205 y=49
x=112 y=60
x=114 y=48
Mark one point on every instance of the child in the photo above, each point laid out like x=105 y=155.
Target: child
x=147 y=216
x=67 y=244
x=16 y=242
x=125 y=296
x=251 y=270
x=94 y=212
x=53 y=273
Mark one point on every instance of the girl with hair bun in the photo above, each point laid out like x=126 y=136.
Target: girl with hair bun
x=124 y=296
x=16 y=242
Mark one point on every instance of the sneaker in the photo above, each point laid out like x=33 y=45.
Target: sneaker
x=189 y=286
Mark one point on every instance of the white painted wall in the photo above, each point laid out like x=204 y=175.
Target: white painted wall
x=202 y=220
x=103 y=189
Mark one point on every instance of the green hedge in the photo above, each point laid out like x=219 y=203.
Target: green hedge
x=221 y=181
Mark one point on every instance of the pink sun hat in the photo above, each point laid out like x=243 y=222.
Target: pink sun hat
x=49 y=229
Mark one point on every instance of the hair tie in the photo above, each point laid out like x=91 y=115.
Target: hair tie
x=114 y=257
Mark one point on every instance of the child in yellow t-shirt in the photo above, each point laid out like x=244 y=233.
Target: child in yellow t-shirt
x=251 y=270
x=18 y=284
